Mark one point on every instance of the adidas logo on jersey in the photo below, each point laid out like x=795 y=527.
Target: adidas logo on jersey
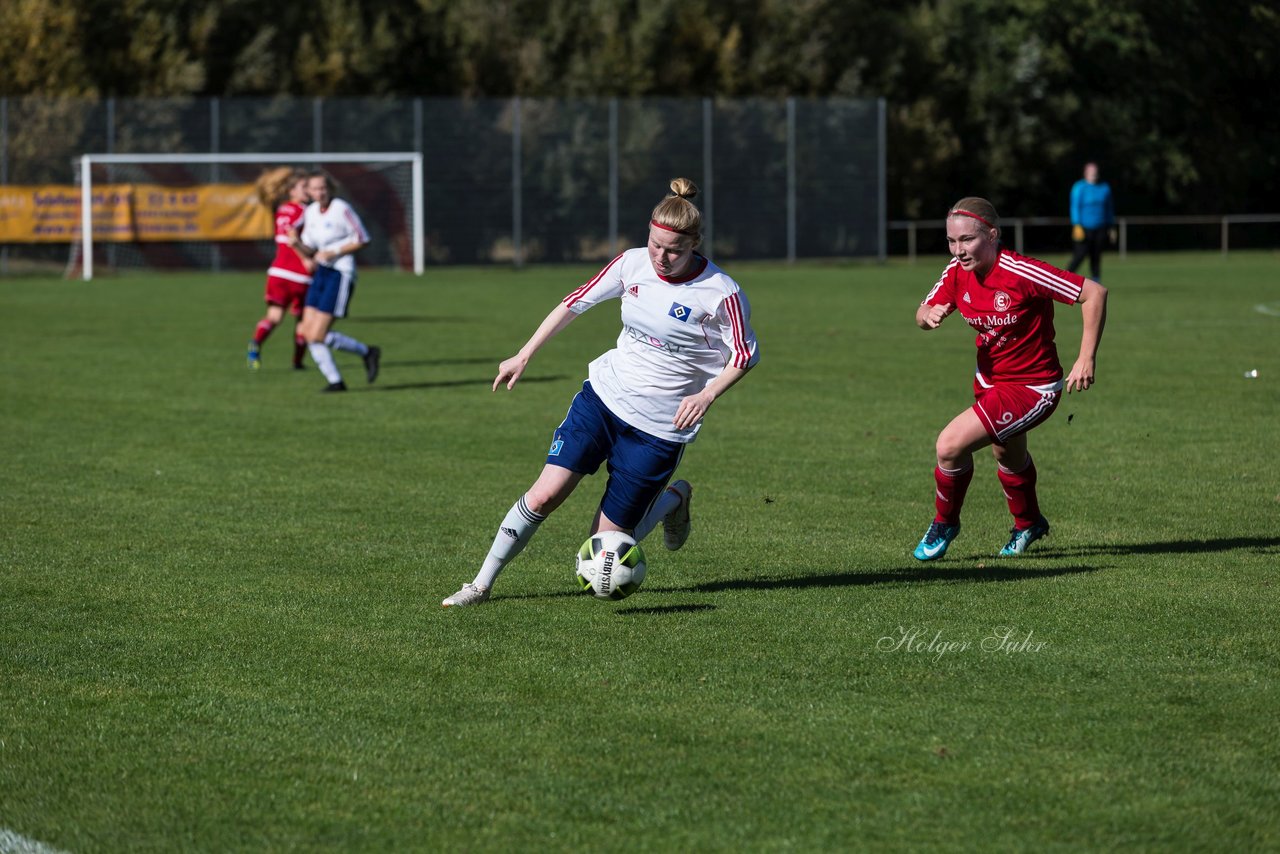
x=634 y=290
x=966 y=298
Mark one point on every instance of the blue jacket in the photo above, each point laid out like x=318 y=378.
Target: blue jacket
x=1091 y=204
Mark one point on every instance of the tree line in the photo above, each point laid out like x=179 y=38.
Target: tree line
x=1004 y=99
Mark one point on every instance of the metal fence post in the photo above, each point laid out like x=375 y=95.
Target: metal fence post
x=791 y=180
x=708 y=207
x=317 y=124
x=419 y=217
x=911 y=242
x=882 y=136
x=111 y=172
x=86 y=218
x=613 y=176
x=1017 y=235
x=1124 y=237
x=1225 y=229
x=419 y=191
x=4 y=171
x=215 y=259
x=417 y=125
x=517 y=212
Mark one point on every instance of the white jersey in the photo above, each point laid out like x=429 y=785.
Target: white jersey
x=677 y=336
x=333 y=228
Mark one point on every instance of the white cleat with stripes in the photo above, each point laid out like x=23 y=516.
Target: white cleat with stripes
x=470 y=594
x=676 y=524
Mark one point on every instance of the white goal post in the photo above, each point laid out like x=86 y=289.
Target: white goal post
x=88 y=161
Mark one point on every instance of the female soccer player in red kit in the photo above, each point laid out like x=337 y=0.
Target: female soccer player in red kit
x=1007 y=299
x=283 y=191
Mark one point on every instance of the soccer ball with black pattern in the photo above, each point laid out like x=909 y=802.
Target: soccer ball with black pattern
x=610 y=565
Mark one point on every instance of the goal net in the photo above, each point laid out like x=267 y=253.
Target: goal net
x=197 y=211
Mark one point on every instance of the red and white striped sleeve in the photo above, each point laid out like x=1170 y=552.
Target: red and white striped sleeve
x=358 y=230
x=1047 y=279
x=740 y=347
x=607 y=284
x=944 y=290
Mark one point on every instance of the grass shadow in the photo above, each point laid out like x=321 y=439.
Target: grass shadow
x=454 y=383
x=412 y=318
x=1261 y=545
x=428 y=363
x=909 y=575
x=665 y=609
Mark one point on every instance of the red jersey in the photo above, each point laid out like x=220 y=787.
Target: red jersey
x=287 y=264
x=1012 y=311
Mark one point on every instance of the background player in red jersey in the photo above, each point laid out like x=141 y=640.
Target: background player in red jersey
x=284 y=191
x=1007 y=299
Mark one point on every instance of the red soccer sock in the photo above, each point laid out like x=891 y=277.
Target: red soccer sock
x=1020 y=492
x=299 y=348
x=952 y=484
x=263 y=330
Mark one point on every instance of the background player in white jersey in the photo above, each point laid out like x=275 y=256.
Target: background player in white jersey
x=686 y=339
x=333 y=233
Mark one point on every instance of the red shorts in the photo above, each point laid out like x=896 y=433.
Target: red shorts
x=1007 y=410
x=291 y=295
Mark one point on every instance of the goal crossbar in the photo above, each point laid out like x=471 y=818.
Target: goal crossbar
x=87 y=161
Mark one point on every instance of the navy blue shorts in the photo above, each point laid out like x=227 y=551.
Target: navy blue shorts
x=331 y=291
x=639 y=464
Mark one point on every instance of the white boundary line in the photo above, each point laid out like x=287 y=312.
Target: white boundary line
x=1271 y=309
x=14 y=843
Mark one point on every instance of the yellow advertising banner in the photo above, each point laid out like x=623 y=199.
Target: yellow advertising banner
x=126 y=213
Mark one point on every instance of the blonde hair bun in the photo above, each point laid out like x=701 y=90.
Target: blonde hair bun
x=684 y=188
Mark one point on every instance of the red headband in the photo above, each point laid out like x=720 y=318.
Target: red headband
x=656 y=224
x=971 y=214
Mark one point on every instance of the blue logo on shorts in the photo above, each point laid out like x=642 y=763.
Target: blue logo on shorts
x=555 y=448
x=680 y=312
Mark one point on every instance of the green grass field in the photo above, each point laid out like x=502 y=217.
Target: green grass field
x=220 y=622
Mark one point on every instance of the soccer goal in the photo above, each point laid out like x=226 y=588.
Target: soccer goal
x=148 y=208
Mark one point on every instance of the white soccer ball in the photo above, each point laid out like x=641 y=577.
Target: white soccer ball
x=610 y=565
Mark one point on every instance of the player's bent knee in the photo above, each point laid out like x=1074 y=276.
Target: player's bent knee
x=950 y=452
x=544 y=501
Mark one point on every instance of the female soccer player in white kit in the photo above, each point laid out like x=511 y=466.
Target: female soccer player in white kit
x=332 y=233
x=686 y=339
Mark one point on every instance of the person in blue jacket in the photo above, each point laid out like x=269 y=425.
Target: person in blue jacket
x=1093 y=220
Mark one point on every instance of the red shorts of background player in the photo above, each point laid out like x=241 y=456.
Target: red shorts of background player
x=291 y=295
x=1007 y=409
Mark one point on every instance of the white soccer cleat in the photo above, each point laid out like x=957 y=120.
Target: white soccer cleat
x=676 y=525
x=470 y=594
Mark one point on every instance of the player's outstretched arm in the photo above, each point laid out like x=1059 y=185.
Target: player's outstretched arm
x=931 y=316
x=510 y=370
x=1093 y=306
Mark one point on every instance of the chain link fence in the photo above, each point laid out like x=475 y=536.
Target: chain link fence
x=516 y=180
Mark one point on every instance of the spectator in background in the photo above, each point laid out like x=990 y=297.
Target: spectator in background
x=1093 y=220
